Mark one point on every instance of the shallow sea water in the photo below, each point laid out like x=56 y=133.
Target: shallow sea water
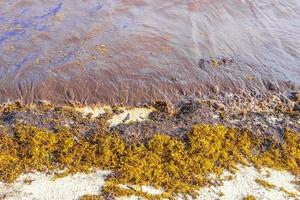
x=137 y=51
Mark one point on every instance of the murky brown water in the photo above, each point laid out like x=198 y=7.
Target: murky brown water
x=131 y=51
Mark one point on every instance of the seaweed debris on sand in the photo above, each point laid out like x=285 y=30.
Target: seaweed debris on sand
x=62 y=140
x=166 y=95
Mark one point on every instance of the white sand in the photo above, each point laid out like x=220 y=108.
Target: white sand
x=45 y=188
x=244 y=184
x=93 y=111
x=127 y=116
x=132 y=115
x=148 y=189
x=73 y=187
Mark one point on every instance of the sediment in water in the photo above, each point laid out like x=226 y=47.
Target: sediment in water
x=110 y=53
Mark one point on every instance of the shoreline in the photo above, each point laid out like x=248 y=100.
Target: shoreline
x=149 y=99
x=264 y=116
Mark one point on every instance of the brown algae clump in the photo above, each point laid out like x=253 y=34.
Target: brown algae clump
x=249 y=197
x=289 y=194
x=174 y=165
x=265 y=184
x=284 y=156
x=91 y=197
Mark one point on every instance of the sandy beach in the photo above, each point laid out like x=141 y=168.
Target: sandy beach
x=149 y=99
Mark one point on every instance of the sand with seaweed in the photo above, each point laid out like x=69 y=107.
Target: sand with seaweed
x=167 y=149
x=149 y=99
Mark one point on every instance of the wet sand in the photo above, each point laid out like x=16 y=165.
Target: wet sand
x=135 y=52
